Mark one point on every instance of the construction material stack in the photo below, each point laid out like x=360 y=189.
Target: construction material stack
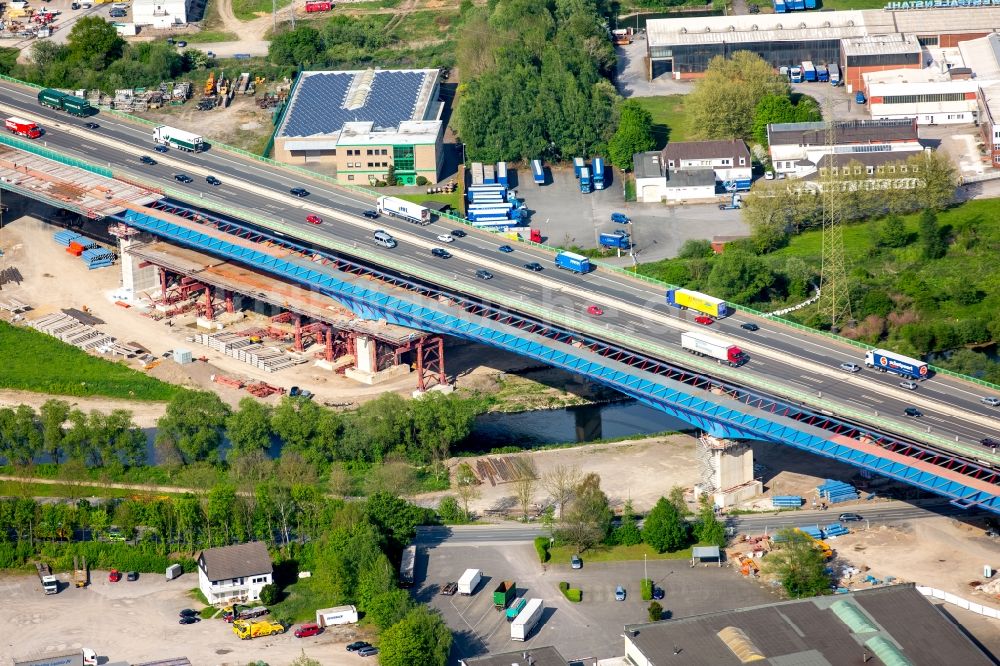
x=80 y=576
x=836 y=491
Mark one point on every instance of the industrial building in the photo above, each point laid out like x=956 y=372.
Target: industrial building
x=988 y=102
x=356 y=124
x=926 y=95
x=886 y=625
x=536 y=656
x=691 y=170
x=797 y=148
x=860 y=41
x=159 y=13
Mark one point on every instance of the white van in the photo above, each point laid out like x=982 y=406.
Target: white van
x=120 y=5
x=384 y=239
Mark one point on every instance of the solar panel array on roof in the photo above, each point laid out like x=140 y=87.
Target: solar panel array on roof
x=321 y=98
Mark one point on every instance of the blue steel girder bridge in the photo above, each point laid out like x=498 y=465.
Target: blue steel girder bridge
x=715 y=404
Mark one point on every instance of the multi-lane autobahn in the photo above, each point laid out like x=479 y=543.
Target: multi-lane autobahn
x=794 y=363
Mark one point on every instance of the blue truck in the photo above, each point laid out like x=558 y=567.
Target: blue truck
x=822 y=74
x=502 y=173
x=808 y=71
x=884 y=360
x=537 y=172
x=810 y=4
x=573 y=262
x=795 y=74
x=598 y=173
x=780 y=7
x=834 y=73
x=586 y=183
x=578 y=165
x=620 y=241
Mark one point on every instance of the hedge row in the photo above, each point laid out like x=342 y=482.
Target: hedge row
x=542 y=548
x=100 y=555
x=570 y=593
x=646 y=586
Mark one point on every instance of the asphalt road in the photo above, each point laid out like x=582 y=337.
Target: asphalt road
x=873 y=514
x=804 y=362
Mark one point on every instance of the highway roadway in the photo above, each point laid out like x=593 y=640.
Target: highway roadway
x=872 y=514
x=805 y=363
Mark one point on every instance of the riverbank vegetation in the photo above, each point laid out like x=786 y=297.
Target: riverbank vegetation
x=36 y=362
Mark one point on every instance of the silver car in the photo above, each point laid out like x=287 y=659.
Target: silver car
x=990 y=400
x=908 y=385
x=850 y=367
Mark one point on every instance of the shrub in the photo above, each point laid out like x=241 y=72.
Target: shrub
x=646 y=587
x=655 y=612
x=269 y=594
x=542 y=548
x=421 y=181
x=570 y=593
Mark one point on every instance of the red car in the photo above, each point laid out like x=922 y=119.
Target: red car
x=594 y=310
x=308 y=629
x=704 y=320
x=314 y=219
x=114 y=576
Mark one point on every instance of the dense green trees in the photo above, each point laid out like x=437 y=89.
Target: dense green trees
x=780 y=109
x=799 y=565
x=421 y=638
x=634 y=135
x=664 y=528
x=723 y=103
x=536 y=80
x=587 y=520
x=193 y=426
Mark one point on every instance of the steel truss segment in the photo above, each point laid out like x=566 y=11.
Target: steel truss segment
x=421 y=317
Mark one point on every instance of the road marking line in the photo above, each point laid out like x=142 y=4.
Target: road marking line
x=868 y=397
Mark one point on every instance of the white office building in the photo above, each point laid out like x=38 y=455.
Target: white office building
x=159 y=13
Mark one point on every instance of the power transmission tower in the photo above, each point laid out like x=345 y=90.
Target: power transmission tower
x=835 y=297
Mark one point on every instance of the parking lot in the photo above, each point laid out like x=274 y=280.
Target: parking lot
x=138 y=621
x=568 y=217
x=591 y=628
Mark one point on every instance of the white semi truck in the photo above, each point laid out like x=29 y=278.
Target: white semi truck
x=177 y=138
x=526 y=620
x=403 y=209
x=703 y=344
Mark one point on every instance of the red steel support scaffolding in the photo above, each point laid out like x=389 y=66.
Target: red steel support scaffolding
x=429 y=361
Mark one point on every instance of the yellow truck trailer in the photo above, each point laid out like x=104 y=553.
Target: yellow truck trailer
x=247 y=630
x=685 y=298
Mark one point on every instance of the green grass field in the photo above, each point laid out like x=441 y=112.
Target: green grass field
x=209 y=36
x=426 y=26
x=454 y=199
x=33 y=361
x=669 y=121
x=250 y=9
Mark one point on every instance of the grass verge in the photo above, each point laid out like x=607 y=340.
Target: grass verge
x=453 y=199
x=33 y=361
x=246 y=10
x=561 y=554
x=208 y=36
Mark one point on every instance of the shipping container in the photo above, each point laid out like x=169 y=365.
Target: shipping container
x=469 y=581
x=328 y=617
x=526 y=620
x=502 y=173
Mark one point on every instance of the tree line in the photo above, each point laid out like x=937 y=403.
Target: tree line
x=197 y=425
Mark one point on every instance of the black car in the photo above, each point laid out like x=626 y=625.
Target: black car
x=441 y=252
x=187 y=612
x=449 y=589
x=132 y=576
x=212 y=180
x=990 y=442
x=182 y=43
x=912 y=411
x=188 y=619
x=657 y=593
x=371 y=214
x=91 y=125
x=484 y=274
x=458 y=233
x=146 y=159
x=358 y=645
x=299 y=192
x=749 y=326
x=851 y=517
x=183 y=178
x=534 y=266
x=161 y=149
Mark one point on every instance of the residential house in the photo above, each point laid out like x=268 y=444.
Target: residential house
x=234 y=572
x=729 y=161
x=654 y=183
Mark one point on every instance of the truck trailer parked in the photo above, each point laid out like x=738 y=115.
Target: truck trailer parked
x=516 y=608
x=526 y=620
x=884 y=360
x=598 y=173
x=22 y=127
x=834 y=69
x=174 y=571
x=76 y=657
x=586 y=184
x=685 y=298
x=537 y=172
x=407 y=566
x=620 y=241
x=328 y=617
x=469 y=581
x=61 y=101
x=808 y=71
x=505 y=592
x=403 y=209
x=177 y=138
x=502 y=173
x=578 y=164
x=703 y=344
x=573 y=262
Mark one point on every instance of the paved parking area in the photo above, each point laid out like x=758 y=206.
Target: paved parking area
x=567 y=217
x=591 y=628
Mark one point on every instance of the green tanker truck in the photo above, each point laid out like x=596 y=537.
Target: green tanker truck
x=61 y=101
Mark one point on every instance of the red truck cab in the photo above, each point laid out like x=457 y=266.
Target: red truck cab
x=22 y=127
